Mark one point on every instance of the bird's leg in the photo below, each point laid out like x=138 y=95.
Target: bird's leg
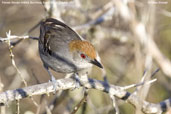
x=53 y=80
x=77 y=79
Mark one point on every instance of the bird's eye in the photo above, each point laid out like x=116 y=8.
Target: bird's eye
x=83 y=56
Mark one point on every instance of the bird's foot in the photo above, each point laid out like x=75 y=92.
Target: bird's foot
x=77 y=81
x=55 y=83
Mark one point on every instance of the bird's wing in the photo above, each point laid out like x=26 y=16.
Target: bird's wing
x=55 y=35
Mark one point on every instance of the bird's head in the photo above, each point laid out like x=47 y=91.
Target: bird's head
x=84 y=53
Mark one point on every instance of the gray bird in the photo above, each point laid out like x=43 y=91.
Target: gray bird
x=63 y=50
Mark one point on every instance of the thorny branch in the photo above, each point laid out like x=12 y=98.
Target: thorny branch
x=12 y=37
x=69 y=83
x=12 y=58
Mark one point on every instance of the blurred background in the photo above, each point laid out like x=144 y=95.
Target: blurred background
x=111 y=26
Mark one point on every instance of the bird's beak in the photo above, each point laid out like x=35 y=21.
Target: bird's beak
x=95 y=62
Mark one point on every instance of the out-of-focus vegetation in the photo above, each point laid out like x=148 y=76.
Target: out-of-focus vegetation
x=123 y=57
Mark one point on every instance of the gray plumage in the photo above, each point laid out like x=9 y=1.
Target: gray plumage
x=54 y=46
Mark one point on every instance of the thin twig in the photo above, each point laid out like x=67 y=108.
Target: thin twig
x=80 y=103
x=18 y=107
x=154 y=73
x=12 y=58
x=13 y=37
x=114 y=104
x=139 y=84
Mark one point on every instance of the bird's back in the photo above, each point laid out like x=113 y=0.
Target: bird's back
x=54 y=45
x=57 y=34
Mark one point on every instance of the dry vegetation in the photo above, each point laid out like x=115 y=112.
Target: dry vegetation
x=132 y=37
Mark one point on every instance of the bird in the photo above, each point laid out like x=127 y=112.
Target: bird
x=64 y=50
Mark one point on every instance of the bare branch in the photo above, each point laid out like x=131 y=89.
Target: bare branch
x=12 y=58
x=80 y=103
x=145 y=39
x=69 y=83
x=114 y=104
x=139 y=84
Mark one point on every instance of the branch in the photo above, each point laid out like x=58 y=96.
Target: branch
x=13 y=37
x=145 y=39
x=69 y=83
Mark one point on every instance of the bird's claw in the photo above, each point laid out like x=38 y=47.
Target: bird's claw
x=77 y=82
x=55 y=84
x=77 y=85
